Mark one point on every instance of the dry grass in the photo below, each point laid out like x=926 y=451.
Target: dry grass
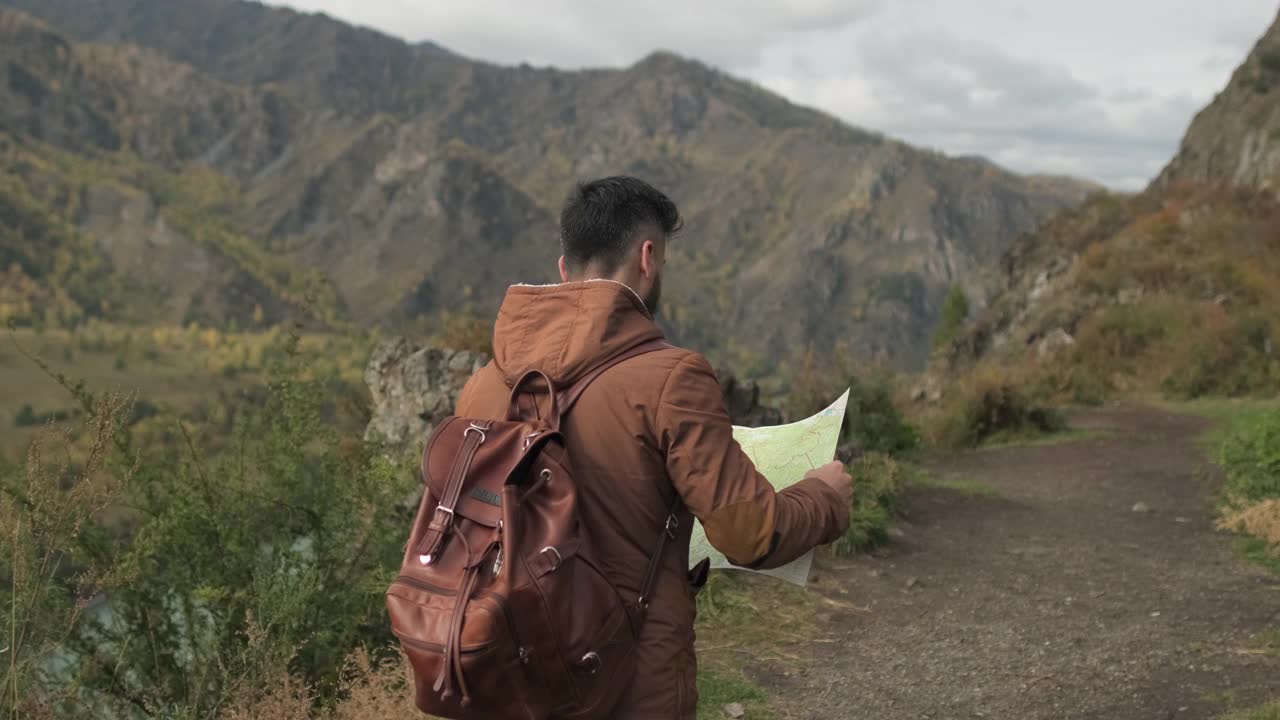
x=376 y=690
x=280 y=697
x=370 y=690
x=1261 y=520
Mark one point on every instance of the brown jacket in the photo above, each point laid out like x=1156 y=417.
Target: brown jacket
x=650 y=427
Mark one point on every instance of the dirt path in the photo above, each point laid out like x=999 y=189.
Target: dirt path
x=1054 y=599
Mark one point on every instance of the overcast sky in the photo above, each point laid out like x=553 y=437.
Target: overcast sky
x=1101 y=89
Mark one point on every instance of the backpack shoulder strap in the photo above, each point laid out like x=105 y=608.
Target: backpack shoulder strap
x=574 y=391
x=668 y=533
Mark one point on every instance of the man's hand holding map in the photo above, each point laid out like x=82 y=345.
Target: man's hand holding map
x=783 y=454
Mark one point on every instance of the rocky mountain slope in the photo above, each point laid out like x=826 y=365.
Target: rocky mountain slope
x=1175 y=289
x=241 y=161
x=1235 y=141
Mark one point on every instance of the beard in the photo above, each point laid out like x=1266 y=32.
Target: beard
x=654 y=296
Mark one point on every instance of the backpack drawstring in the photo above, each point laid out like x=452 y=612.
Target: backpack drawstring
x=451 y=670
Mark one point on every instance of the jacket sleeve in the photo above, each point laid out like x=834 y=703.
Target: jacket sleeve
x=745 y=518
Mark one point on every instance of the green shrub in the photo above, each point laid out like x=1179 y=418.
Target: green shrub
x=878 y=482
x=1232 y=360
x=28 y=417
x=142 y=409
x=1070 y=382
x=25 y=417
x=1250 y=456
x=234 y=553
x=465 y=331
x=992 y=407
x=1120 y=334
x=874 y=422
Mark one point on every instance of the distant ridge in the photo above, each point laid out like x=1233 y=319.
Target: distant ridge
x=312 y=159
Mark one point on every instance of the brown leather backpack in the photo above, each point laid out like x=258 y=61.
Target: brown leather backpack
x=501 y=605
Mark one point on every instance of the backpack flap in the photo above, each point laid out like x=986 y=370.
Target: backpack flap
x=480 y=471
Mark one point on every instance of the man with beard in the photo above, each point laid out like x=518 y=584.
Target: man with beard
x=649 y=431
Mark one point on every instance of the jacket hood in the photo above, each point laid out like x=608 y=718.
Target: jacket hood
x=566 y=330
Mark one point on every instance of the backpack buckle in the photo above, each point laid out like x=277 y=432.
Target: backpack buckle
x=673 y=523
x=430 y=547
x=591 y=663
x=555 y=564
x=446 y=524
x=478 y=429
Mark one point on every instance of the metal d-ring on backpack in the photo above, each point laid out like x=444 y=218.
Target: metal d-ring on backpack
x=500 y=605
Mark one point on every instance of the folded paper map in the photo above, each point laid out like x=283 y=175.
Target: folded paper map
x=783 y=454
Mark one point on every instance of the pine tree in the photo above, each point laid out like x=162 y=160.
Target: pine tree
x=955 y=311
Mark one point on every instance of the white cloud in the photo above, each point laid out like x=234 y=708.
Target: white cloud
x=1098 y=88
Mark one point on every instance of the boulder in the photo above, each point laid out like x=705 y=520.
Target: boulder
x=414 y=387
x=1056 y=340
x=742 y=400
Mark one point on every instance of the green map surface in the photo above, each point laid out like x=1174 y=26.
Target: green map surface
x=783 y=454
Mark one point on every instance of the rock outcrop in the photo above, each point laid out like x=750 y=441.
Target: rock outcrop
x=1235 y=141
x=742 y=400
x=414 y=387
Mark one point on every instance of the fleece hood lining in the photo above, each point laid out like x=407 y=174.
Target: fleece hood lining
x=629 y=289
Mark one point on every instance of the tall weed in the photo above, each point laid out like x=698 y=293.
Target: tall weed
x=56 y=557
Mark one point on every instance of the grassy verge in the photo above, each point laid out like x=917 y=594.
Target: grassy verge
x=962 y=486
x=1058 y=437
x=748 y=618
x=1269 y=711
x=1229 y=416
x=1269 y=642
x=1245 y=443
x=1258 y=552
x=716 y=689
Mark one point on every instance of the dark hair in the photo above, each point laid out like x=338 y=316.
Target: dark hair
x=600 y=219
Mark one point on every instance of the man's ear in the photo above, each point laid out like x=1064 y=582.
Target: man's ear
x=648 y=259
x=564 y=272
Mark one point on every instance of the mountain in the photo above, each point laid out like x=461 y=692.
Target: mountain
x=1175 y=290
x=305 y=165
x=1235 y=141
